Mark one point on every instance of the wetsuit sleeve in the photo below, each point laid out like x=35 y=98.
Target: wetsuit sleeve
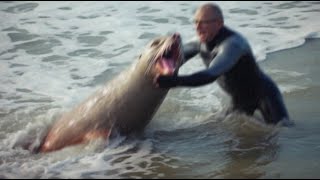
x=227 y=56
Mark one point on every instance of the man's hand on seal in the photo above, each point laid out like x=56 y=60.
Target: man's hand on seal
x=166 y=81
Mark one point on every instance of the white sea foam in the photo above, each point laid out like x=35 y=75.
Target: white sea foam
x=55 y=54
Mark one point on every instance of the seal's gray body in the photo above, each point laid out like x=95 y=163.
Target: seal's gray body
x=125 y=105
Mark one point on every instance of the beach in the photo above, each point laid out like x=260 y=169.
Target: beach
x=53 y=55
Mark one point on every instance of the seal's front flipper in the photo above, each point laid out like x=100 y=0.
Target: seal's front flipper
x=95 y=134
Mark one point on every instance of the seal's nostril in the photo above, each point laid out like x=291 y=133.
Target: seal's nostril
x=176 y=35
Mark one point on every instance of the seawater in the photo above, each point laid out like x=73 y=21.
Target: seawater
x=55 y=54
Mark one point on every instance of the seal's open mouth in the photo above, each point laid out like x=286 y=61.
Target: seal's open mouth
x=169 y=59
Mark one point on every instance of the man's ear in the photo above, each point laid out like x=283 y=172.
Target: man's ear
x=220 y=23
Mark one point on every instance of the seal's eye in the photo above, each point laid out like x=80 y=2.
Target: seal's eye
x=155 y=42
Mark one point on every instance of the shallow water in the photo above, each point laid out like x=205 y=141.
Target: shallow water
x=54 y=54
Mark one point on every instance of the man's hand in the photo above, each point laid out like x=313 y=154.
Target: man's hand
x=166 y=81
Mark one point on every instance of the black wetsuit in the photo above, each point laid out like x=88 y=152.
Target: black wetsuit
x=230 y=61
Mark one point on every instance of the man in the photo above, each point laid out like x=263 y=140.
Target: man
x=229 y=60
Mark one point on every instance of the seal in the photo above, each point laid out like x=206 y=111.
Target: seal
x=125 y=104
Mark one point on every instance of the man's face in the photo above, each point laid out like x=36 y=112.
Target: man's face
x=206 y=24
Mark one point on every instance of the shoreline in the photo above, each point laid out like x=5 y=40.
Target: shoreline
x=299 y=68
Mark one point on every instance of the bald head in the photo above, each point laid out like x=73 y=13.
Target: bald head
x=212 y=10
x=208 y=21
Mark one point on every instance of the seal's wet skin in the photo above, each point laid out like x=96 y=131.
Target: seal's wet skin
x=125 y=104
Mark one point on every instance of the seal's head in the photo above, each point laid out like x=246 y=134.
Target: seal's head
x=164 y=55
